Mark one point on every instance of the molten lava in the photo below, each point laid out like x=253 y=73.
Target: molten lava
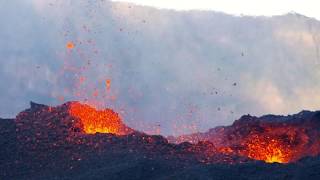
x=94 y=121
x=280 y=139
x=267 y=149
x=272 y=139
x=70 y=45
x=108 y=84
x=281 y=143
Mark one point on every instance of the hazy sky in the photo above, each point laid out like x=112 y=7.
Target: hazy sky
x=247 y=7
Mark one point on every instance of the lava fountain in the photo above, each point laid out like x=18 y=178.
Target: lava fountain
x=98 y=121
x=269 y=150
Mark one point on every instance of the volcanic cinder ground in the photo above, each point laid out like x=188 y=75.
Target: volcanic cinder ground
x=76 y=141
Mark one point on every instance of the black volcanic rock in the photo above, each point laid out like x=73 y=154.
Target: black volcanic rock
x=34 y=105
x=48 y=143
x=248 y=123
x=8 y=144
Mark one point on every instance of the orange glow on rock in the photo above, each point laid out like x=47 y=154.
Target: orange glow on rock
x=269 y=141
x=95 y=121
x=268 y=150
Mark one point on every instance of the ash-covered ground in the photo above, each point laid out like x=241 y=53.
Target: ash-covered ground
x=45 y=142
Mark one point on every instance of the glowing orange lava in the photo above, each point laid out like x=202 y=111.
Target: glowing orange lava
x=94 y=121
x=268 y=150
x=108 y=84
x=271 y=141
x=70 y=45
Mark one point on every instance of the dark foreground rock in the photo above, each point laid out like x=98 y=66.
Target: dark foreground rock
x=48 y=143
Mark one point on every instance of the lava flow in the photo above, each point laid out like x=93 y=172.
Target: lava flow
x=95 y=121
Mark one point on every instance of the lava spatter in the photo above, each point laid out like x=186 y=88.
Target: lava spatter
x=70 y=45
x=98 y=121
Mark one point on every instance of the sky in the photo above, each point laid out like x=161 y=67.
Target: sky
x=238 y=7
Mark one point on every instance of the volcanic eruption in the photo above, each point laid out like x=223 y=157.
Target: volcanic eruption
x=95 y=121
x=281 y=139
x=72 y=136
